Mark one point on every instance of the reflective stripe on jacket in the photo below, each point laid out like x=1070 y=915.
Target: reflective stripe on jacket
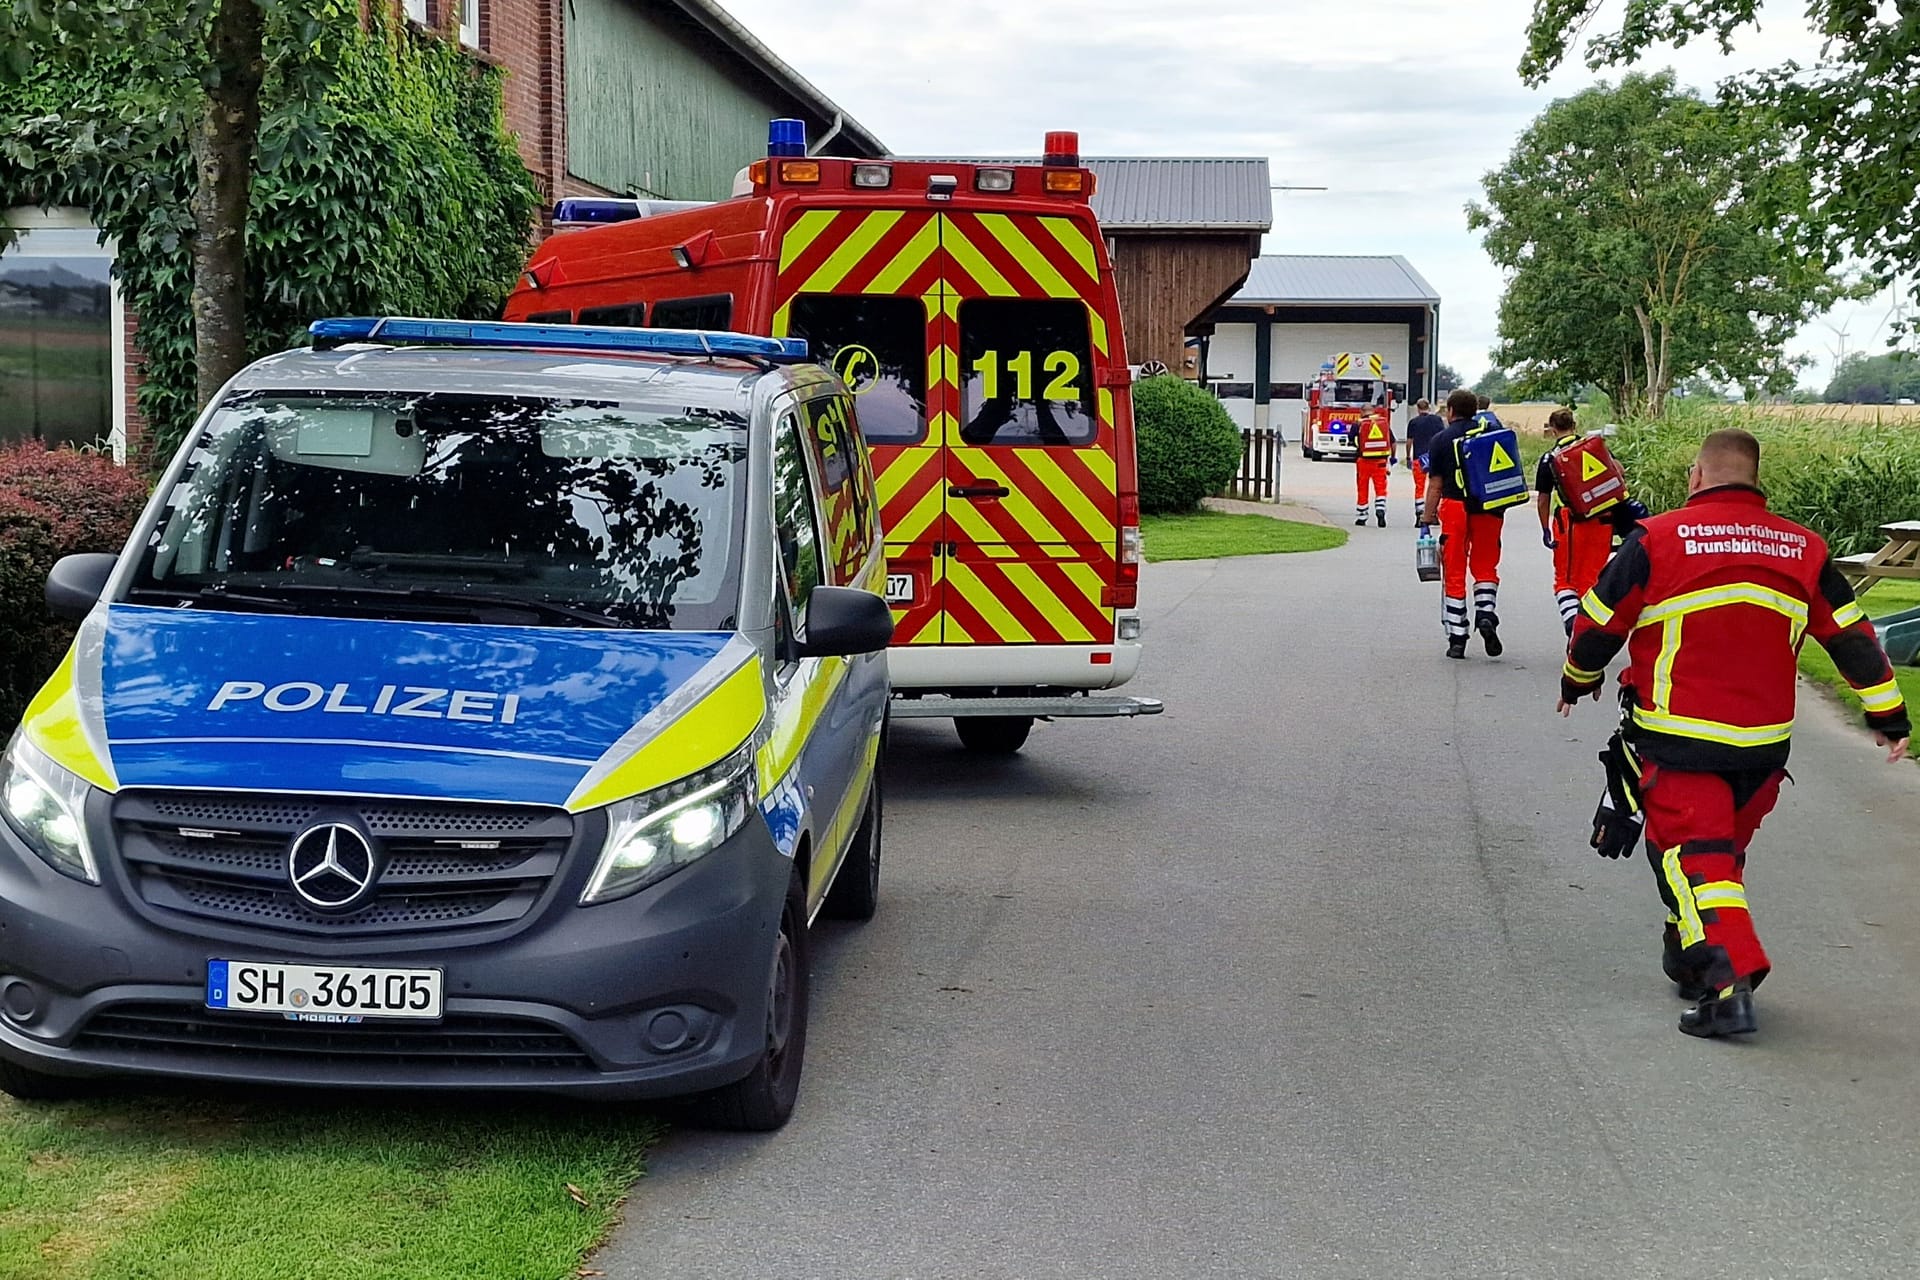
x=1712 y=603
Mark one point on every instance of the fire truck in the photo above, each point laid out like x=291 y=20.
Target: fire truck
x=971 y=310
x=1351 y=389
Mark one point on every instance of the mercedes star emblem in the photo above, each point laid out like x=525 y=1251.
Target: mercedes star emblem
x=331 y=865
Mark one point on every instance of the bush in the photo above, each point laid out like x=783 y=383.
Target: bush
x=1188 y=445
x=53 y=503
x=1842 y=480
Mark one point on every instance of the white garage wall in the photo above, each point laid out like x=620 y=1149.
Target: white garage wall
x=1230 y=355
x=1300 y=349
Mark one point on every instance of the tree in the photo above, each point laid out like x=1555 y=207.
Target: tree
x=1851 y=114
x=1881 y=379
x=1635 y=225
x=1494 y=384
x=1445 y=379
x=205 y=63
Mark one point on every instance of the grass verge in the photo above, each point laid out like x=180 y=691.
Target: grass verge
x=340 y=1189
x=1208 y=535
x=1888 y=597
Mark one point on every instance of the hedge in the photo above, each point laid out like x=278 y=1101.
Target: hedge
x=53 y=503
x=1188 y=445
x=1842 y=480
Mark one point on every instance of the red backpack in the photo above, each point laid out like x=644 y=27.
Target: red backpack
x=1588 y=476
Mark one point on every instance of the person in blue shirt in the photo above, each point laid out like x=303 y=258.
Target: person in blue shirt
x=1485 y=415
x=1422 y=428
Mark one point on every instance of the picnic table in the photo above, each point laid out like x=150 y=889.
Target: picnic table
x=1899 y=558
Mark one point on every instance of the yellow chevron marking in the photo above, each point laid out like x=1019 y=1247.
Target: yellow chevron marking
x=921 y=517
x=1098 y=328
x=1087 y=578
x=955 y=633
x=999 y=551
x=1026 y=580
x=1075 y=242
x=971 y=261
x=988 y=606
x=1016 y=504
x=1028 y=255
x=1060 y=551
x=852 y=250
x=909 y=260
x=805 y=230
x=1096 y=525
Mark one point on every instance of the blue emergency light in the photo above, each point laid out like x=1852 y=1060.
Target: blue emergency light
x=589 y=210
x=787 y=137
x=335 y=330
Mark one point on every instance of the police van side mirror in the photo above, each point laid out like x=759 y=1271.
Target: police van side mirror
x=75 y=584
x=844 y=621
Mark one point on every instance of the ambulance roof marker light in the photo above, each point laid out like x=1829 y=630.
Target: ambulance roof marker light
x=787 y=137
x=1062 y=150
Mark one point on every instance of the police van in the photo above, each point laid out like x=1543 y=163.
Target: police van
x=474 y=706
x=971 y=310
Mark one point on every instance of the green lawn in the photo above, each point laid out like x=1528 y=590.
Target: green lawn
x=275 y=1188
x=1888 y=597
x=1206 y=535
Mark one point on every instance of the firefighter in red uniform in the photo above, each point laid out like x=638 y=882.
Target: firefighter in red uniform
x=1709 y=706
x=1580 y=547
x=1375 y=441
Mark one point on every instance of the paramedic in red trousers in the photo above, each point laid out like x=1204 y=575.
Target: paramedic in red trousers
x=1374 y=440
x=1421 y=429
x=1580 y=547
x=1709 y=707
x=1469 y=540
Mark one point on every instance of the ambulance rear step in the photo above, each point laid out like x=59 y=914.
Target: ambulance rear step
x=943 y=707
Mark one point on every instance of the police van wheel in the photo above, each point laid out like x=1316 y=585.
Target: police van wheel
x=856 y=890
x=993 y=735
x=763 y=1101
x=29 y=1085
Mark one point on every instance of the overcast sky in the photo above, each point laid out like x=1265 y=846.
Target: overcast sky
x=1398 y=106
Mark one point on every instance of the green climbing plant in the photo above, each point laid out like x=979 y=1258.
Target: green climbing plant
x=383 y=178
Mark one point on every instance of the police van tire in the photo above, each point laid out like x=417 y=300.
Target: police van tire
x=856 y=889
x=763 y=1100
x=993 y=735
x=28 y=1085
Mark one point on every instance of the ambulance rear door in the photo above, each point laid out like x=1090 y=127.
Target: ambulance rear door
x=863 y=286
x=1030 y=459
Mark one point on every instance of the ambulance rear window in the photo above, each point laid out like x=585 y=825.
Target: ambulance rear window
x=1027 y=373
x=878 y=346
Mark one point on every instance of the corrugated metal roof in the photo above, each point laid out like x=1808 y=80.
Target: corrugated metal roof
x=1169 y=193
x=1278 y=279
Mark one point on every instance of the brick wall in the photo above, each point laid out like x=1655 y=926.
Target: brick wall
x=136 y=362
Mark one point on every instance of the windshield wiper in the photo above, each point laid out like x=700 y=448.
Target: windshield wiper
x=216 y=594
x=477 y=600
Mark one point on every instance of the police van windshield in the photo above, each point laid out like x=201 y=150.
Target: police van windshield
x=512 y=510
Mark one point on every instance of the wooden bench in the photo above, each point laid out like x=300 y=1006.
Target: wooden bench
x=1899 y=558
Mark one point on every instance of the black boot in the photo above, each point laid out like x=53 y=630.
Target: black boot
x=1360 y=519
x=1380 y=516
x=1688 y=985
x=1729 y=1012
x=1488 y=627
x=1456 y=646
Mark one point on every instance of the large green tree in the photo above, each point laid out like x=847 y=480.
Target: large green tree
x=1636 y=225
x=1870 y=379
x=1852 y=113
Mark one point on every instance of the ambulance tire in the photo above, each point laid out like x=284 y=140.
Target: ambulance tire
x=993 y=735
x=856 y=889
x=27 y=1085
x=763 y=1100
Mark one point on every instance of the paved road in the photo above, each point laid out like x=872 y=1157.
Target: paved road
x=1314 y=976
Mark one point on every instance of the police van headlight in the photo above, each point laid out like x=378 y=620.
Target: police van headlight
x=654 y=835
x=44 y=804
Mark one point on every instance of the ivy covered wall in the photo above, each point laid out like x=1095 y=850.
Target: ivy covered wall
x=392 y=186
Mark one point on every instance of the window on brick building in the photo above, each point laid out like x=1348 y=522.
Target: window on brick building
x=416 y=10
x=470 y=23
x=63 y=344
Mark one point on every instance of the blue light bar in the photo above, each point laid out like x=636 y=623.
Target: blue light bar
x=594 y=211
x=787 y=137
x=335 y=330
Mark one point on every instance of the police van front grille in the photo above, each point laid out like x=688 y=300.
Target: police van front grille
x=156 y=1030
x=441 y=866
